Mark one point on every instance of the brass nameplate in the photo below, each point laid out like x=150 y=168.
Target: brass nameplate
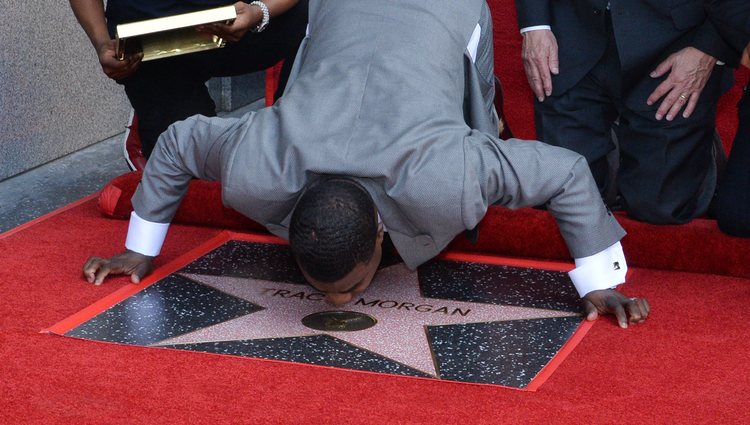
x=339 y=321
x=171 y=35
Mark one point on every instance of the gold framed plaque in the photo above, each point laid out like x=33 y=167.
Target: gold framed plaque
x=172 y=35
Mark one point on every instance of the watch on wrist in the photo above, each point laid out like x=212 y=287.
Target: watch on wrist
x=266 y=16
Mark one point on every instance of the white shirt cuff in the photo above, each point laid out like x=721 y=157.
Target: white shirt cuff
x=603 y=270
x=145 y=237
x=535 y=28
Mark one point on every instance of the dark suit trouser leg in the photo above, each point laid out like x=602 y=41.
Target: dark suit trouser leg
x=580 y=120
x=667 y=173
x=733 y=201
x=163 y=92
x=169 y=90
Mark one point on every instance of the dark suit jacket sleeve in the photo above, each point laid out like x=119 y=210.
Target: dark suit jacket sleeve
x=708 y=40
x=533 y=12
x=194 y=148
x=731 y=18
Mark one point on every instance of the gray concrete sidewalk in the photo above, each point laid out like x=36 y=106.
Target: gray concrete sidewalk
x=53 y=185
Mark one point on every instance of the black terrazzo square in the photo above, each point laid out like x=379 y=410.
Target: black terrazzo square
x=172 y=306
x=323 y=350
x=265 y=261
x=488 y=283
x=502 y=353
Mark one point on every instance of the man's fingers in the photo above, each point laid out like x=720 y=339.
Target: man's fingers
x=635 y=315
x=212 y=28
x=554 y=62
x=91 y=267
x=626 y=310
x=140 y=271
x=133 y=66
x=692 y=103
x=616 y=307
x=124 y=68
x=677 y=103
x=645 y=308
x=664 y=108
x=672 y=104
x=540 y=59
x=638 y=309
x=542 y=66
x=546 y=79
x=590 y=309
x=101 y=273
x=116 y=69
x=622 y=317
x=224 y=31
x=130 y=263
x=659 y=92
x=535 y=80
x=663 y=67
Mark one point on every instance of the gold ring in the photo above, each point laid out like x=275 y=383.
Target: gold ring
x=683 y=96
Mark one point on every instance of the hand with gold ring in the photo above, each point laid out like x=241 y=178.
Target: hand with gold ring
x=627 y=311
x=689 y=70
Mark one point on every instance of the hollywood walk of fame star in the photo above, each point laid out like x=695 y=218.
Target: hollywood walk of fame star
x=393 y=299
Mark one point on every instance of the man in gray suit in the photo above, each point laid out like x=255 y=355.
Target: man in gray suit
x=371 y=135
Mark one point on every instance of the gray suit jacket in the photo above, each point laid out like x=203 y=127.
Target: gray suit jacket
x=383 y=92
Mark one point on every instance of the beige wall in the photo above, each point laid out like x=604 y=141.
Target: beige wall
x=54 y=99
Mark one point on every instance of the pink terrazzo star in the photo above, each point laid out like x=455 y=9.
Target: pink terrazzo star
x=393 y=298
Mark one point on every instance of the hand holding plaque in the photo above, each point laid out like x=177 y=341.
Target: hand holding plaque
x=171 y=35
x=114 y=68
x=247 y=17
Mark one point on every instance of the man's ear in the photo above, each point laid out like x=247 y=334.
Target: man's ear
x=380 y=235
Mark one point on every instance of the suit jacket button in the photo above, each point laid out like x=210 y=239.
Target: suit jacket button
x=597 y=12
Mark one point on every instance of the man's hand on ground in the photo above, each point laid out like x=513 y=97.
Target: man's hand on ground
x=540 y=60
x=117 y=69
x=129 y=263
x=689 y=70
x=608 y=301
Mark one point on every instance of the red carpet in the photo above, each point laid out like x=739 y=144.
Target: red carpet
x=687 y=364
